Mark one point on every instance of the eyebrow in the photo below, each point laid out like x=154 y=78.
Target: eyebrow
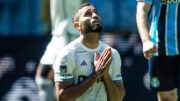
x=92 y=10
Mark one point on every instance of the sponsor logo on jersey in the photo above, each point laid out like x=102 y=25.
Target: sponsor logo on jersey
x=83 y=63
x=169 y=1
x=155 y=82
x=65 y=75
x=63 y=59
x=63 y=68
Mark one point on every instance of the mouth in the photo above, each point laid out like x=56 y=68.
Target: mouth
x=96 y=22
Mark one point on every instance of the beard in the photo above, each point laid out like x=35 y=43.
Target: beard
x=89 y=28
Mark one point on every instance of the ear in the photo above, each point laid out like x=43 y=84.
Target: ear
x=76 y=25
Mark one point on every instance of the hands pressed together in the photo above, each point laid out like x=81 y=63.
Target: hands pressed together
x=102 y=63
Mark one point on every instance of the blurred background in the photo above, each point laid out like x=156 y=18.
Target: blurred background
x=25 y=30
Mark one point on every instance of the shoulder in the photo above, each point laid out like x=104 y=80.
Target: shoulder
x=72 y=46
x=69 y=49
x=66 y=55
x=114 y=51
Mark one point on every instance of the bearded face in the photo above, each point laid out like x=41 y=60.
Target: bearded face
x=92 y=26
x=90 y=20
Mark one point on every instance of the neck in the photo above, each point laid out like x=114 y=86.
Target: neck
x=90 y=40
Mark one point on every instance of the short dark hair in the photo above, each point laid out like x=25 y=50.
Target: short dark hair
x=75 y=15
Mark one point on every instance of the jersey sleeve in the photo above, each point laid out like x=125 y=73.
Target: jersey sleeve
x=56 y=44
x=148 y=1
x=116 y=69
x=63 y=67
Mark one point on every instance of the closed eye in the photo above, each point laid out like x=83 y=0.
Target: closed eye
x=88 y=14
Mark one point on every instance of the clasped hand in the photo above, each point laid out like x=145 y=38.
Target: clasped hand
x=103 y=62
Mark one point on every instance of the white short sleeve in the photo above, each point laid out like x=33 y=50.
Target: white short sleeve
x=116 y=69
x=54 y=46
x=64 y=66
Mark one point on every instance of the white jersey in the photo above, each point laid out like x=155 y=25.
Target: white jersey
x=61 y=16
x=75 y=63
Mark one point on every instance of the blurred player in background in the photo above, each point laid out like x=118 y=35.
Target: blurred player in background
x=81 y=74
x=161 y=45
x=63 y=32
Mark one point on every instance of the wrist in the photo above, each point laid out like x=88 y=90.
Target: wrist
x=95 y=76
x=145 y=40
x=106 y=75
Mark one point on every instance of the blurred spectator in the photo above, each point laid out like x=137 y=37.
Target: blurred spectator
x=45 y=15
x=63 y=32
x=6 y=65
x=23 y=89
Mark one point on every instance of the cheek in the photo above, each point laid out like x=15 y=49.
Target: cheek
x=85 y=22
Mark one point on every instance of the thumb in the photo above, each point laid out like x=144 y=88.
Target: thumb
x=96 y=56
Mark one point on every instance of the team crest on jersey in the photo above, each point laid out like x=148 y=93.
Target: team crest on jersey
x=63 y=69
x=155 y=82
x=63 y=59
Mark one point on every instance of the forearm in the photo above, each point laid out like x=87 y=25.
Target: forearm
x=114 y=93
x=142 y=21
x=71 y=93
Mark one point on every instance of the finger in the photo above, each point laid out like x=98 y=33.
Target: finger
x=104 y=52
x=97 y=56
x=152 y=50
x=147 y=51
x=155 y=49
x=108 y=63
x=105 y=67
x=101 y=64
x=109 y=48
x=105 y=59
x=150 y=56
x=106 y=55
x=147 y=56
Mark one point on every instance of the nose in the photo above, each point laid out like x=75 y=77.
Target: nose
x=95 y=16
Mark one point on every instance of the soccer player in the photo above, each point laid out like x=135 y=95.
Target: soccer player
x=63 y=32
x=87 y=69
x=161 y=45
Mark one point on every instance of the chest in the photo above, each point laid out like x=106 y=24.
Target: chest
x=84 y=63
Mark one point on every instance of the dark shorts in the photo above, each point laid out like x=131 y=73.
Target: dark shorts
x=164 y=72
